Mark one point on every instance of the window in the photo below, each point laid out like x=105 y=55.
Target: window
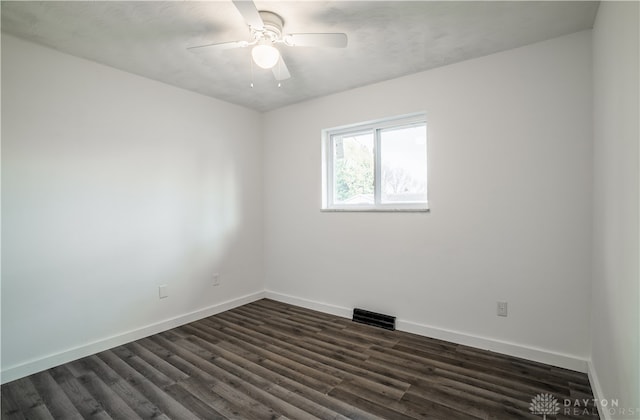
x=376 y=166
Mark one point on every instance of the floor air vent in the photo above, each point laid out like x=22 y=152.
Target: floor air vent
x=377 y=320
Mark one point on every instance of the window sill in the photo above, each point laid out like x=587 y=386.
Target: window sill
x=376 y=210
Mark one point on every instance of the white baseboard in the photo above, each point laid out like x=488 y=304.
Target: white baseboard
x=33 y=366
x=526 y=352
x=540 y=355
x=598 y=395
x=516 y=350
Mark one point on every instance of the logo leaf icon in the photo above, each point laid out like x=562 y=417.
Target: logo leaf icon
x=544 y=404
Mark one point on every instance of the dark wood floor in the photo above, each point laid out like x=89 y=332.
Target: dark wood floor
x=269 y=360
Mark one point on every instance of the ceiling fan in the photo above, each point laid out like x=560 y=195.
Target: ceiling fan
x=266 y=32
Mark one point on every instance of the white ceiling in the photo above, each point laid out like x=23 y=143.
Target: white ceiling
x=387 y=39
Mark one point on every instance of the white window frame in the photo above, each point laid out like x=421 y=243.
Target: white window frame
x=376 y=126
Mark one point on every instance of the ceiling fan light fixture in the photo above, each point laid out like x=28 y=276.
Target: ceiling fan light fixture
x=265 y=56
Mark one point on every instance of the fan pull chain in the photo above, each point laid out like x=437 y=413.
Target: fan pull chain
x=279 y=72
x=251 y=64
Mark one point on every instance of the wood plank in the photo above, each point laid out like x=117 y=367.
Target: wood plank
x=143 y=368
x=238 y=409
x=198 y=407
x=157 y=362
x=54 y=397
x=243 y=380
x=112 y=403
x=10 y=403
x=82 y=400
x=298 y=389
x=368 y=405
x=28 y=399
x=297 y=310
x=191 y=370
x=464 y=402
x=425 y=409
x=225 y=385
x=314 y=359
x=126 y=392
x=279 y=385
x=148 y=389
x=255 y=342
x=271 y=361
x=306 y=315
x=404 y=360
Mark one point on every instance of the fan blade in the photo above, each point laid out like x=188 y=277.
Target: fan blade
x=337 y=40
x=204 y=49
x=249 y=12
x=280 y=70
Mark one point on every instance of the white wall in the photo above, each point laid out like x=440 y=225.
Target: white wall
x=615 y=350
x=509 y=138
x=113 y=184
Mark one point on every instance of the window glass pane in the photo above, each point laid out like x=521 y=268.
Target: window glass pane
x=404 y=164
x=353 y=169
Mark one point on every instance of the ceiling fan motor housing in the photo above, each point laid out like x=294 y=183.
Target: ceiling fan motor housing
x=272 y=28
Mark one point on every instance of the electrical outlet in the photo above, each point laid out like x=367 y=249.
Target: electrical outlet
x=502 y=308
x=163 y=291
x=216 y=279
